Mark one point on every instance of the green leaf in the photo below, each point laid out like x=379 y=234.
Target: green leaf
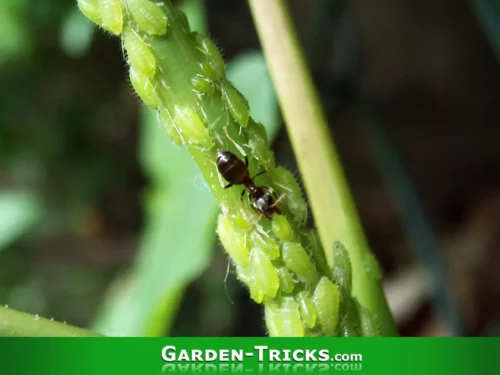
x=76 y=34
x=248 y=73
x=14 y=39
x=177 y=242
x=18 y=212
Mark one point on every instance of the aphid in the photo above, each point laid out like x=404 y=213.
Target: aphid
x=236 y=104
x=236 y=172
x=112 y=15
x=139 y=55
x=148 y=16
x=90 y=8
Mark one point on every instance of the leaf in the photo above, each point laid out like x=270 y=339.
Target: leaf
x=248 y=73
x=76 y=34
x=14 y=39
x=177 y=242
x=18 y=212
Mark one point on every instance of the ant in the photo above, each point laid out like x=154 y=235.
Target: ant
x=236 y=172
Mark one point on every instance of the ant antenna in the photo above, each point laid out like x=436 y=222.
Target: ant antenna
x=235 y=144
x=218 y=174
x=283 y=196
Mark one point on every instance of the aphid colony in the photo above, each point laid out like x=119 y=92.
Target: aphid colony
x=275 y=261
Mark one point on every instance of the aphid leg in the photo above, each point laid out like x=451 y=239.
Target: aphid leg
x=238 y=147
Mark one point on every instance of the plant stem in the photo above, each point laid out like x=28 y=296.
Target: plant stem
x=333 y=207
x=15 y=323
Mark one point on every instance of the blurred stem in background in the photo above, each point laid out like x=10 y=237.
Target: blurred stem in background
x=400 y=187
x=332 y=204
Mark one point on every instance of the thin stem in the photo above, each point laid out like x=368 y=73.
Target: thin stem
x=332 y=204
x=15 y=323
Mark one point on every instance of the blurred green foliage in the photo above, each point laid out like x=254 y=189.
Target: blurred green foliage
x=76 y=34
x=18 y=212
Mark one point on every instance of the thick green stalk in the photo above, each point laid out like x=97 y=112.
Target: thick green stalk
x=15 y=323
x=181 y=75
x=331 y=201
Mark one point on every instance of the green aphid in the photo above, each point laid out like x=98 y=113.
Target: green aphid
x=342 y=269
x=112 y=15
x=241 y=222
x=266 y=244
x=264 y=280
x=297 y=260
x=326 y=300
x=211 y=55
x=144 y=88
x=139 y=54
x=283 y=319
x=207 y=71
x=203 y=84
x=287 y=183
x=273 y=319
x=282 y=229
x=168 y=125
x=287 y=284
x=90 y=8
x=306 y=308
x=235 y=103
x=243 y=274
x=312 y=243
x=370 y=324
x=234 y=244
x=148 y=16
x=192 y=128
x=350 y=325
x=259 y=144
x=371 y=266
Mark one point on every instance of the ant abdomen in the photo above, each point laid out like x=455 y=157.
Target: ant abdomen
x=232 y=168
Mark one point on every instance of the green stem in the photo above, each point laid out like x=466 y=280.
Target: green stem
x=331 y=201
x=15 y=323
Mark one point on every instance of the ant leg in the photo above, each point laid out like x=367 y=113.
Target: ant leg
x=241 y=200
x=228 y=186
x=246 y=161
x=262 y=172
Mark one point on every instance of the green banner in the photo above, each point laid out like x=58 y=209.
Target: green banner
x=140 y=356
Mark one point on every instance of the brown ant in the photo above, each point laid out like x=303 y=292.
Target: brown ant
x=236 y=172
